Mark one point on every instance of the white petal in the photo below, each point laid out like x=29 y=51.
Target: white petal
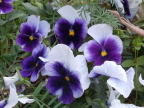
x=141 y=80
x=34 y=21
x=62 y=51
x=44 y=59
x=25 y=100
x=81 y=48
x=44 y=28
x=13 y=97
x=69 y=13
x=110 y=68
x=83 y=71
x=119 y=5
x=9 y=80
x=124 y=88
x=100 y=31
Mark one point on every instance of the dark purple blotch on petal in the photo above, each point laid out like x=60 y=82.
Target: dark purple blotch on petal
x=5 y=7
x=63 y=27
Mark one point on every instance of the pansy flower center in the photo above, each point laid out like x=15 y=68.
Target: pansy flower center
x=37 y=64
x=0 y=1
x=103 y=53
x=67 y=78
x=71 y=33
x=31 y=38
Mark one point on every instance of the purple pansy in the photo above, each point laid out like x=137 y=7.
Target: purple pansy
x=32 y=32
x=67 y=74
x=33 y=65
x=70 y=29
x=105 y=45
x=5 y=6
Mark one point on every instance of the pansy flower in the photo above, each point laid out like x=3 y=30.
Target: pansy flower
x=105 y=45
x=5 y=6
x=129 y=7
x=67 y=74
x=14 y=98
x=117 y=75
x=141 y=80
x=33 y=65
x=70 y=29
x=32 y=32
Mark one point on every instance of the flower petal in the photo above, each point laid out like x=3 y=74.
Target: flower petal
x=62 y=51
x=92 y=50
x=22 y=40
x=44 y=28
x=34 y=22
x=110 y=68
x=3 y=103
x=82 y=70
x=40 y=51
x=125 y=87
x=25 y=100
x=9 y=80
x=69 y=13
x=28 y=63
x=26 y=73
x=119 y=5
x=141 y=80
x=13 y=97
x=26 y=29
x=8 y=1
x=5 y=8
x=100 y=31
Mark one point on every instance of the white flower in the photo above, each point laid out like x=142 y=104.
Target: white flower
x=141 y=80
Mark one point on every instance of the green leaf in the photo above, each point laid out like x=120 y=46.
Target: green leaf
x=2 y=22
x=128 y=63
x=15 y=14
x=140 y=60
x=31 y=9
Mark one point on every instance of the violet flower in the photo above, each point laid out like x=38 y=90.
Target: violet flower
x=105 y=45
x=67 y=74
x=70 y=29
x=32 y=32
x=33 y=65
x=5 y=6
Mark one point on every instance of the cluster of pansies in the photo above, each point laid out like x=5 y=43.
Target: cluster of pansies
x=68 y=75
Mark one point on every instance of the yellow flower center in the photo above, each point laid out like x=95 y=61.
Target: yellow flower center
x=37 y=64
x=103 y=53
x=0 y=1
x=67 y=78
x=71 y=33
x=31 y=38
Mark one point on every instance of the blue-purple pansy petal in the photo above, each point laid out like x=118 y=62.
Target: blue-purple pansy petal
x=92 y=50
x=26 y=29
x=99 y=61
x=3 y=103
x=113 y=44
x=28 y=63
x=26 y=73
x=22 y=39
x=67 y=96
x=62 y=28
x=35 y=73
x=75 y=85
x=34 y=22
x=8 y=1
x=80 y=28
x=5 y=8
x=39 y=51
x=44 y=28
x=126 y=8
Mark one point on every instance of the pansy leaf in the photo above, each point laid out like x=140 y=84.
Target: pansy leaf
x=140 y=60
x=15 y=14
x=128 y=63
x=2 y=22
